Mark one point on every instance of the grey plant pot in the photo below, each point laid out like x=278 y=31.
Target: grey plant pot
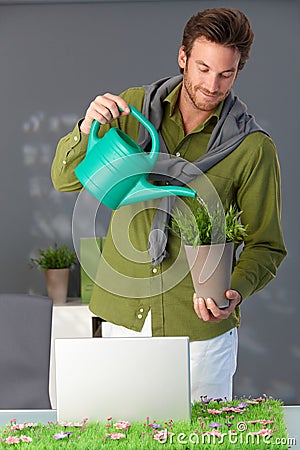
x=211 y=267
x=57 y=281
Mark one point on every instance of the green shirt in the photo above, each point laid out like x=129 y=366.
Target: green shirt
x=127 y=285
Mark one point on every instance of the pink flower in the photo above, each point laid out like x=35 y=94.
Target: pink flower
x=262 y=421
x=236 y=410
x=25 y=438
x=72 y=424
x=265 y=431
x=213 y=433
x=18 y=426
x=115 y=436
x=216 y=433
x=62 y=435
x=12 y=440
x=226 y=409
x=266 y=422
x=214 y=411
x=161 y=435
x=122 y=425
x=31 y=424
x=66 y=424
x=255 y=401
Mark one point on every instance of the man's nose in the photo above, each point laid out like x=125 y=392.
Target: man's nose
x=212 y=84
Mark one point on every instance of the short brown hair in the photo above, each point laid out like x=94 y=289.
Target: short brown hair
x=226 y=26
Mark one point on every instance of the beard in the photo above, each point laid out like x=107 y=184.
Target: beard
x=198 y=101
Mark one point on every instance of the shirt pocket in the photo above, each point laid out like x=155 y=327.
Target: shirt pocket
x=213 y=188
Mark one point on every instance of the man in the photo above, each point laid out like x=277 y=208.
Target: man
x=200 y=121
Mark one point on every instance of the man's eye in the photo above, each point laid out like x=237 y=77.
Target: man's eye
x=226 y=75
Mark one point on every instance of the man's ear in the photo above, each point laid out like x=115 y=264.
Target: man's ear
x=182 y=57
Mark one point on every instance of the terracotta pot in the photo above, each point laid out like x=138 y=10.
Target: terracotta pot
x=211 y=267
x=57 y=281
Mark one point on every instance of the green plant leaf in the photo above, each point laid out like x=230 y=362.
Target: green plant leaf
x=196 y=226
x=57 y=257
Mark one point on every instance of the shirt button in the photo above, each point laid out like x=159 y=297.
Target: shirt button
x=177 y=154
x=140 y=316
x=75 y=138
x=154 y=270
x=64 y=162
x=141 y=309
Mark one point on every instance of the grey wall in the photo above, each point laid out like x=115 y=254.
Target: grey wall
x=56 y=57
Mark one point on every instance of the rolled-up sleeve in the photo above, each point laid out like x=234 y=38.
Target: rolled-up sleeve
x=71 y=150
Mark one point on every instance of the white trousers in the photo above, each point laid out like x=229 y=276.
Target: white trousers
x=212 y=362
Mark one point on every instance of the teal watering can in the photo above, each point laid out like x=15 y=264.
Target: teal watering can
x=115 y=167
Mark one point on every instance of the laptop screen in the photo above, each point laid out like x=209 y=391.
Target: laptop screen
x=123 y=378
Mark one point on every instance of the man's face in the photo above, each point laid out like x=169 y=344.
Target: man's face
x=209 y=73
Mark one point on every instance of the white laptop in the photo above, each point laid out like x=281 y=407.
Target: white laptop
x=123 y=378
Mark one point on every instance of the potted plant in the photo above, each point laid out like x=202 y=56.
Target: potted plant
x=209 y=237
x=56 y=263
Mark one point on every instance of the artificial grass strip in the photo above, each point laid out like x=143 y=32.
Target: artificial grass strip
x=247 y=423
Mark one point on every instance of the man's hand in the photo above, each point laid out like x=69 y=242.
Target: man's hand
x=105 y=108
x=210 y=312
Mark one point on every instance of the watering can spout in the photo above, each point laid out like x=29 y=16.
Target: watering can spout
x=144 y=191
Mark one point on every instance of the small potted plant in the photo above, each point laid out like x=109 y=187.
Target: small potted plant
x=209 y=238
x=56 y=263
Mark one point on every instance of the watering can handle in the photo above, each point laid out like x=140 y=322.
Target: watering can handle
x=142 y=119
